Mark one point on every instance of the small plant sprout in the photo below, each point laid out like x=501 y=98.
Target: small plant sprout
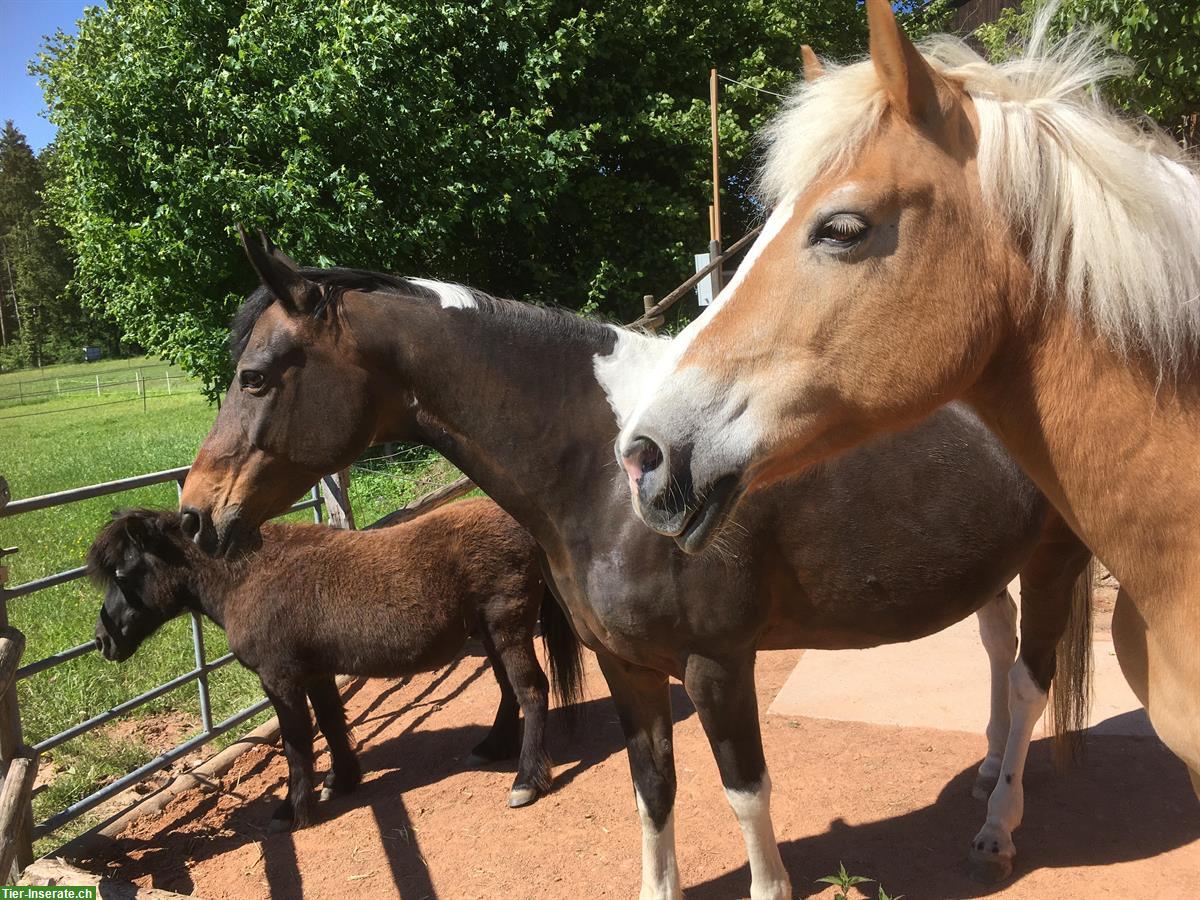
x=843 y=881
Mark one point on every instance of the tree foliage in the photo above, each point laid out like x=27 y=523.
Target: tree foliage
x=549 y=150
x=1162 y=39
x=42 y=320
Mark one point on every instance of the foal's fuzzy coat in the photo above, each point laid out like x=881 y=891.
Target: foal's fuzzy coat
x=314 y=602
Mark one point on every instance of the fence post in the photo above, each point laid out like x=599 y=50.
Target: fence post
x=16 y=838
x=336 y=491
x=654 y=323
x=97 y=385
x=168 y=382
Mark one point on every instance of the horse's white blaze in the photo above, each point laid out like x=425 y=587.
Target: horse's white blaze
x=660 y=874
x=451 y=296
x=998 y=632
x=768 y=878
x=625 y=372
x=1027 y=702
x=692 y=393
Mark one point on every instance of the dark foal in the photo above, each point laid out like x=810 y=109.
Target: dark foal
x=315 y=602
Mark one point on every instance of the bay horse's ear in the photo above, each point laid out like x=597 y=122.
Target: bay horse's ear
x=910 y=82
x=812 y=66
x=278 y=273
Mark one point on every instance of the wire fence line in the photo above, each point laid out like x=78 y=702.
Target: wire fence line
x=87 y=406
x=42 y=390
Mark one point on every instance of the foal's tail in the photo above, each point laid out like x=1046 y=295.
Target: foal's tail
x=564 y=654
x=1070 y=694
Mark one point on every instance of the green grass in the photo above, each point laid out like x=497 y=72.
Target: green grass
x=66 y=448
x=33 y=387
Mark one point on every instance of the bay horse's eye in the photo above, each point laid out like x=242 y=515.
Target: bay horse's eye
x=841 y=231
x=252 y=380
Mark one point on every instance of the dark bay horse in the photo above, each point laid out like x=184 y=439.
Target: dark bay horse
x=315 y=602
x=896 y=541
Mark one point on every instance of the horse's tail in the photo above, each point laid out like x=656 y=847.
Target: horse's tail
x=564 y=654
x=1070 y=694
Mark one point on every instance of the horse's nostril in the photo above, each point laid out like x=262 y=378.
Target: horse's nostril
x=190 y=523
x=652 y=456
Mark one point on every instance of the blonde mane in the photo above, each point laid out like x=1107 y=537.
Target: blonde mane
x=1110 y=209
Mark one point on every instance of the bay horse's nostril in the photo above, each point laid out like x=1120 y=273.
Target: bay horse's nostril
x=189 y=522
x=641 y=457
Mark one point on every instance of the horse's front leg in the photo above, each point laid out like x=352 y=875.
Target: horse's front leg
x=295 y=728
x=644 y=707
x=723 y=693
x=998 y=632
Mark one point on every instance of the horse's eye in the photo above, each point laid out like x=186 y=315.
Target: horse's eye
x=840 y=231
x=252 y=380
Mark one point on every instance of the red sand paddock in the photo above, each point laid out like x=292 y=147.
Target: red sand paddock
x=891 y=802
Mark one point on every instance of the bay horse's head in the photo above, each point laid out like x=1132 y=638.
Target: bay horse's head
x=924 y=203
x=302 y=404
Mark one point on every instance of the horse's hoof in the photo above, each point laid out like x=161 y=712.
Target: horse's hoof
x=327 y=792
x=990 y=868
x=984 y=785
x=278 y=826
x=476 y=760
x=521 y=796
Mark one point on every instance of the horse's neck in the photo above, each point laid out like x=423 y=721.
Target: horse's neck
x=512 y=399
x=1111 y=444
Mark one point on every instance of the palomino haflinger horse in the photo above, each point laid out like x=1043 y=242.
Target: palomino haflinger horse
x=944 y=228
x=904 y=537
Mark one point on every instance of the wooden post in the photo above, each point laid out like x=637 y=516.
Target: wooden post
x=336 y=491
x=97 y=385
x=651 y=323
x=16 y=837
x=716 y=163
x=168 y=382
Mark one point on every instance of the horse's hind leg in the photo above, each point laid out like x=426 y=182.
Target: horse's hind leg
x=345 y=772
x=998 y=632
x=724 y=696
x=644 y=708
x=515 y=649
x=503 y=740
x=1053 y=588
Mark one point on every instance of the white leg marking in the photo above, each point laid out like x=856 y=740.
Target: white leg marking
x=998 y=632
x=660 y=873
x=768 y=878
x=993 y=847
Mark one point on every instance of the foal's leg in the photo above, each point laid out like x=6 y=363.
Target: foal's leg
x=295 y=727
x=515 y=648
x=998 y=631
x=724 y=696
x=644 y=707
x=1047 y=580
x=345 y=772
x=503 y=740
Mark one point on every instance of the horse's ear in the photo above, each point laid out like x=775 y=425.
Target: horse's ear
x=812 y=66
x=908 y=79
x=278 y=273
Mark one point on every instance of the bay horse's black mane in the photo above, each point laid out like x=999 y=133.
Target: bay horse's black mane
x=336 y=281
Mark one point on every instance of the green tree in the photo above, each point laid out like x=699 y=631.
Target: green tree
x=1162 y=39
x=43 y=321
x=537 y=148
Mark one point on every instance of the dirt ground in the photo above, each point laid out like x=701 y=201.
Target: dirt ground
x=892 y=803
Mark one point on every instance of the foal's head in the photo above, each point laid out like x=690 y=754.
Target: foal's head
x=924 y=204
x=140 y=559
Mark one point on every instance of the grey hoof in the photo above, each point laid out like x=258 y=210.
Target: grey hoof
x=278 y=826
x=990 y=868
x=327 y=792
x=521 y=796
x=984 y=785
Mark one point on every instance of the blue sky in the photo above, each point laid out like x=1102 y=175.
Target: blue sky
x=22 y=25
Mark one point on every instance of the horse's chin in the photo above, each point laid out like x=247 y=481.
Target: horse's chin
x=710 y=515
x=232 y=537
